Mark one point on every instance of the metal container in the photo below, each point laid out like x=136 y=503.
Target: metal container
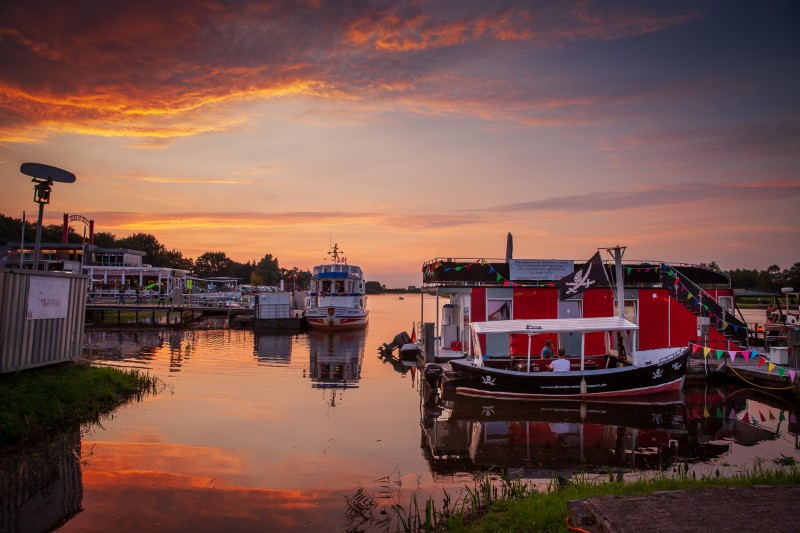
x=42 y=315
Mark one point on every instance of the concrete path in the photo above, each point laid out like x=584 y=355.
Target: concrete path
x=766 y=509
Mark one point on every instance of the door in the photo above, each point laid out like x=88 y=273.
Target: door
x=571 y=342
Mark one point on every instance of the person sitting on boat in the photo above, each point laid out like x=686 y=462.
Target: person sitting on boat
x=561 y=364
x=547 y=350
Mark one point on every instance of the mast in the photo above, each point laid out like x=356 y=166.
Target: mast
x=618 y=251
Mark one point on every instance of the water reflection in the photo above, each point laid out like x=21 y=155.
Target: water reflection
x=41 y=487
x=335 y=360
x=274 y=348
x=555 y=438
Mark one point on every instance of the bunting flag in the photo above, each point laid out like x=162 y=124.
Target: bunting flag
x=414 y=334
x=706 y=414
x=732 y=416
x=746 y=417
x=782 y=416
x=747 y=355
x=762 y=417
x=771 y=416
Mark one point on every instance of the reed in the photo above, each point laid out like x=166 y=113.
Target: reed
x=42 y=402
x=515 y=505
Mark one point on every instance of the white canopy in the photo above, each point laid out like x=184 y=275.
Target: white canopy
x=555 y=325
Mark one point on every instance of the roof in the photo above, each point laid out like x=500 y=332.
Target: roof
x=555 y=325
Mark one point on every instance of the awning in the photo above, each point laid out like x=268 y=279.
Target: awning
x=555 y=325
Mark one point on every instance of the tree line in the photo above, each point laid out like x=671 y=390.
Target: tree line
x=265 y=271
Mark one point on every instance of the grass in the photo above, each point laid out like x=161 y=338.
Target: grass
x=42 y=402
x=489 y=506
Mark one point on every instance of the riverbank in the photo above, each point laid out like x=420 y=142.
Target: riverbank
x=42 y=402
x=517 y=506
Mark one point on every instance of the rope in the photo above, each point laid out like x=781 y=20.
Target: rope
x=759 y=386
x=575 y=528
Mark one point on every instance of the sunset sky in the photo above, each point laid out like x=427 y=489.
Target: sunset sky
x=408 y=130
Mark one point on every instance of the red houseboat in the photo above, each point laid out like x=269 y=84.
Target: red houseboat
x=671 y=305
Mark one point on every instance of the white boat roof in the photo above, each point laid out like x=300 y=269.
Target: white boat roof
x=555 y=325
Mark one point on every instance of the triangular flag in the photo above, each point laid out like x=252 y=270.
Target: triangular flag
x=695 y=348
x=792 y=374
x=770 y=366
x=746 y=417
x=718 y=414
x=771 y=416
x=414 y=334
x=719 y=354
x=725 y=325
x=629 y=270
x=706 y=351
x=706 y=414
x=761 y=362
x=753 y=421
x=732 y=416
x=781 y=370
x=792 y=419
x=762 y=417
x=782 y=416
x=732 y=354
x=499 y=277
x=755 y=353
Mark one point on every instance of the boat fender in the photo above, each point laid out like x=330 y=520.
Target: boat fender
x=584 y=388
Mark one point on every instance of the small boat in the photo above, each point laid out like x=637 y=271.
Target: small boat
x=614 y=371
x=337 y=299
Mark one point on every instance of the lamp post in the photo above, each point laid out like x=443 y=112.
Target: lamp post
x=43 y=178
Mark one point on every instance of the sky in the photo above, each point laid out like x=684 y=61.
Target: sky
x=406 y=131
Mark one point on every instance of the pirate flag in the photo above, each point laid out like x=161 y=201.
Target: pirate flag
x=591 y=274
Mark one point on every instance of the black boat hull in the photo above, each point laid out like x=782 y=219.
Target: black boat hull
x=665 y=376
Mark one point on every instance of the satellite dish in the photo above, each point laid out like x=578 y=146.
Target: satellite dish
x=46 y=172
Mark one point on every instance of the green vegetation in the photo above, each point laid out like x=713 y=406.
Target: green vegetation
x=37 y=403
x=491 y=505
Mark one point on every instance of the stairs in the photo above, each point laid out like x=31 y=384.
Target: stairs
x=702 y=304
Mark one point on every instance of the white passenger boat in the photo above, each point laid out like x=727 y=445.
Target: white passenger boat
x=337 y=299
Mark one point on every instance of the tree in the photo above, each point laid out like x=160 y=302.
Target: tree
x=103 y=239
x=268 y=270
x=374 y=287
x=212 y=264
x=153 y=250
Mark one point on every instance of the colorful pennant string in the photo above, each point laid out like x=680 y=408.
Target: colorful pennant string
x=747 y=355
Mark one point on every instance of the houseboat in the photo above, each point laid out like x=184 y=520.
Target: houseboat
x=337 y=299
x=664 y=306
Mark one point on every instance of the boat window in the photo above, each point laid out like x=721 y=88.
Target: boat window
x=498 y=309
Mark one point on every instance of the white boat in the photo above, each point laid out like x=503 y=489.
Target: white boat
x=337 y=298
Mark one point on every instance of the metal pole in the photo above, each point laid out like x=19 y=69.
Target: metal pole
x=22 y=241
x=38 y=244
x=620 y=281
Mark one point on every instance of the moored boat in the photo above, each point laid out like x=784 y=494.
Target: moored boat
x=613 y=372
x=337 y=299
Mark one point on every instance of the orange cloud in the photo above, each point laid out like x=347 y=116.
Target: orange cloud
x=152 y=71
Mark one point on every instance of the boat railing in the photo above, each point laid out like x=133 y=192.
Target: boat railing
x=672 y=355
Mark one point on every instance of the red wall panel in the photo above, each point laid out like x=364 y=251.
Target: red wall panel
x=653 y=319
x=682 y=324
x=478 y=311
x=597 y=303
x=532 y=304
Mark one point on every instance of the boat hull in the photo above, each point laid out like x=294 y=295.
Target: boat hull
x=333 y=318
x=665 y=376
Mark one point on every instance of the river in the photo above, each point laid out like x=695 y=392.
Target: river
x=274 y=433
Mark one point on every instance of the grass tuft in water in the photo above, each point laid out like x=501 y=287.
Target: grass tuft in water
x=42 y=402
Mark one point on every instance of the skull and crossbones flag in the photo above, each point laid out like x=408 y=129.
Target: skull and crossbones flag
x=591 y=274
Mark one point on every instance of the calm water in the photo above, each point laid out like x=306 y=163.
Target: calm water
x=273 y=432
